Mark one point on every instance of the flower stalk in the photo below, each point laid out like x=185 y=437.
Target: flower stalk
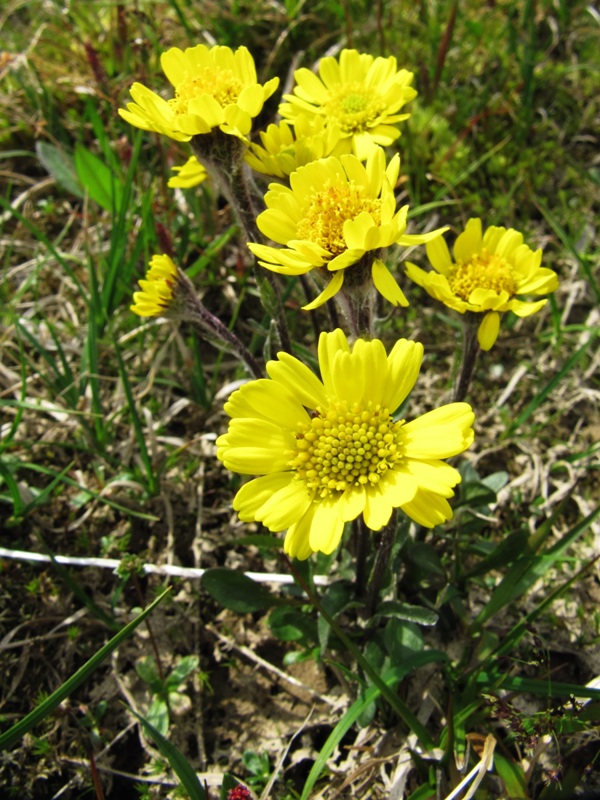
x=470 y=353
x=167 y=291
x=223 y=158
x=382 y=560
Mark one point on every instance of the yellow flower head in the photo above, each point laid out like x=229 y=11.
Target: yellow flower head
x=285 y=149
x=159 y=289
x=336 y=211
x=488 y=272
x=360 y=93
x=192 y=173
x=215 y=87
x=329 y=450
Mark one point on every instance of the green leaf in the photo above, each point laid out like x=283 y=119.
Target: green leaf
x=424 y=556
x=237 y=591
x=291 y=625
x=158 y=715
x=543 y=688
x=335 y=599
x=403 y=640
x=542 y=392
x=179 y=763
x=417 y=614
x=389 y=679
x=185 y=667
x=475 y=494
x=511 y=774
x=146 y=669
x=529 y=568
x=507 y=551
x=256 y=763
x=496 y=481
x=98 y=180
x=60 y=165
x=13 y=488
x=259 y=540
x=45 y=708
x=423 y=793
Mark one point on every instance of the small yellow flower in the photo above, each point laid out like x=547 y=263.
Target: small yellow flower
x=159 y=289
x=329 y=450
x=488 y=272
x=285 y=149
x=215 y=87
x=190 y=174
x=360 y=93
x=336 y=211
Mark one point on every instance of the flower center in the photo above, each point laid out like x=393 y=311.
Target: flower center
x=355 y=107
x=345 y=446
x=222 y=84
x=327 y=210
x=483 y=271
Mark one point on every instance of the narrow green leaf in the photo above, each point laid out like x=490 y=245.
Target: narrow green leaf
x=510 y=640
x=17 y=731
x=179 y=763
x=13 y=488
x=555 y=381
x=537 y=686
x=512 y=775
x=151 y=477
x=405 y=611
x=389 y=679
x=43 y=496
x=528 y=568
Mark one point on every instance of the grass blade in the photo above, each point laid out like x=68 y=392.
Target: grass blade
x=17 y=731
x=390 y=679
x=550 y=386
x=151 y=478
x=179 y=763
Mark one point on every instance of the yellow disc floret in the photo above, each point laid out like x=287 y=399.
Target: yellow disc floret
x=346 y=446
x=355 y=107
x=483 y=271
x=327 y=211
x=221 y=84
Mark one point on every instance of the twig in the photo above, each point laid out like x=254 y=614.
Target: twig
x=154 y=569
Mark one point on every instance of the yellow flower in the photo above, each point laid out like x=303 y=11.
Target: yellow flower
x=329 y=450
x=487 y=274
x=159 y=289
x=360 y=93
x=285 y=149
x=336 y=211
x=192 y=173
x=215 y=87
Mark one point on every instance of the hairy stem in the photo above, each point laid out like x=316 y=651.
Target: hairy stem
x=469 y=357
